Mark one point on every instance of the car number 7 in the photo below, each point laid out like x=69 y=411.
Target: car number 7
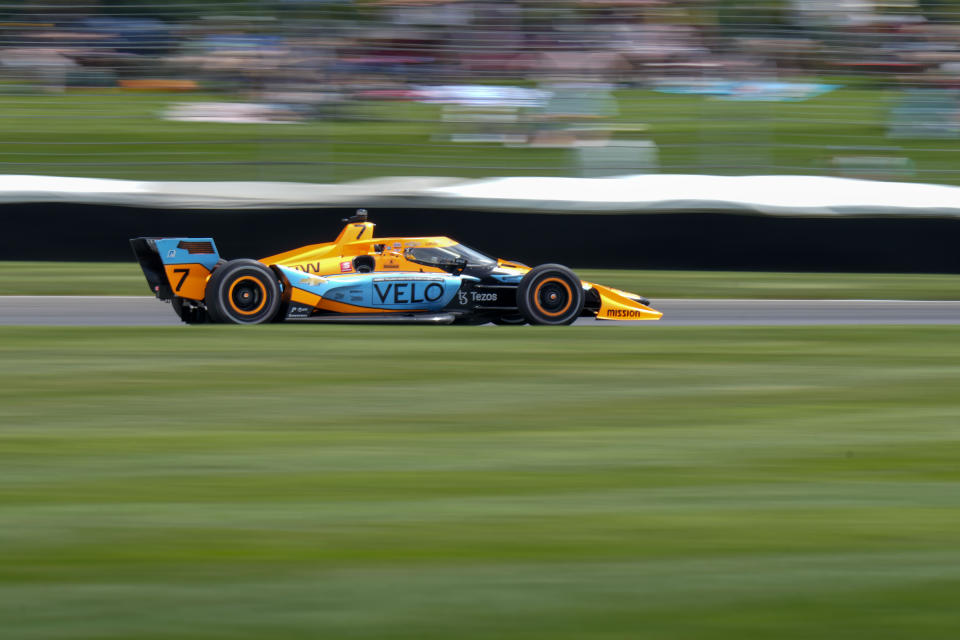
x=183 y=278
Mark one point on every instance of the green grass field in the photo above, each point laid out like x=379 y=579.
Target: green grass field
x=572 y=483
x=125 y=278
x=109 y=133
x=576 y=483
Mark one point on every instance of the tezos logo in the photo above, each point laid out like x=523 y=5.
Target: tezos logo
x=466 y=297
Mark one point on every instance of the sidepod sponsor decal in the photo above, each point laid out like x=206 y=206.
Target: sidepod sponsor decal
x=625 y=313
x=407 y=291
x=298 y=311
x=466 y=297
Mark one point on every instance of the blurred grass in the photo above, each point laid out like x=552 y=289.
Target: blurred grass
x=91 y=278
x=578 y=483
x=769 y=285
x=114 y=134
x=72 y=278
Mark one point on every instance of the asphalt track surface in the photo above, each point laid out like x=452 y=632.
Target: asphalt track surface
x=135 y=311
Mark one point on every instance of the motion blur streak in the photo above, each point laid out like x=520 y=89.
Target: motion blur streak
x=332 y=90
x=463 y=483
x=138 y=311
x=280 y=482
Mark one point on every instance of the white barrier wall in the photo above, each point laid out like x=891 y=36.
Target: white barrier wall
x=770 y=195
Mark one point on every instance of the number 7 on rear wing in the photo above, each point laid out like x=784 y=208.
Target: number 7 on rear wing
x=176 y=266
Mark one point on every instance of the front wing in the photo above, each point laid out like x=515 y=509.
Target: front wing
x=620 y=305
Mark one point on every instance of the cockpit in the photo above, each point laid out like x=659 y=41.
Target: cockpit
x=454 y=258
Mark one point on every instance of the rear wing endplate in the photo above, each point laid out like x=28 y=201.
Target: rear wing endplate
x=156 y=254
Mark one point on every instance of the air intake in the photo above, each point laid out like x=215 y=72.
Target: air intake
x=196 y=247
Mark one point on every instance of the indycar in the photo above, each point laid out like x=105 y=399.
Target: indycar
x=362 y=279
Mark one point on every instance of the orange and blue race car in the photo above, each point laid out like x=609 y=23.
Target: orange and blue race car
x=362 y=279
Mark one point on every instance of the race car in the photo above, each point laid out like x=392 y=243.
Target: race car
x=362 y=279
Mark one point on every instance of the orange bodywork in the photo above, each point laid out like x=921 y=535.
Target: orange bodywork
x=385 y=255
x=188 y=280
x=356 y=239
x=617 y=305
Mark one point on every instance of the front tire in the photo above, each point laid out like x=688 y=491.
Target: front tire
x=550 y=294
x=243 y=292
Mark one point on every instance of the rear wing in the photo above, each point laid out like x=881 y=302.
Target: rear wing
x=176 y=266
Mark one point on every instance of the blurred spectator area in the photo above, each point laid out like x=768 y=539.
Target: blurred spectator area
x=335 y=90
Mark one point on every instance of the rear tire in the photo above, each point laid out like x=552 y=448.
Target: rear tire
x=243 y=292
x=550 y=294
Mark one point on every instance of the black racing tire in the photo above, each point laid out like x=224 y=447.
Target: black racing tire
x=188 y=312
x=509 y=320
x=550 y=294
x=243 y=292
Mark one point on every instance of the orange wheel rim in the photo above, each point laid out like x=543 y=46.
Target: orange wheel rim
x=237 y=297
x=539 y=305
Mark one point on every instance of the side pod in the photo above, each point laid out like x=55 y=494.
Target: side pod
x=176 y=267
